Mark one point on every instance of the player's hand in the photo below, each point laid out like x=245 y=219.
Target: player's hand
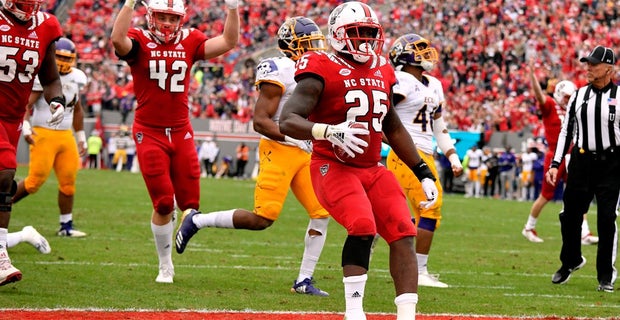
x=455 y=162
x=27 y=132
x=344 y=137
x=58 y=113
x=82 y=146
x=232 y=4
x=305 y=145
x=430 y=190
x=551 y=176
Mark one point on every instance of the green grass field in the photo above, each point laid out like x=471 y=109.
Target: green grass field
x=479 y=251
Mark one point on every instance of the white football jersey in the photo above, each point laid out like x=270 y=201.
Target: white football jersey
x=72 y=84
x=417 y=109
x=281 y=72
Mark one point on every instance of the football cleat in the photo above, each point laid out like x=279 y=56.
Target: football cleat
x=307 y=287
x=187 y=229
x=166 y=274
x=589 y=239
x=32 y=236
x=531 y=235
x=430 y=280
x=605 y=286
x=66 y=230
x=8 y=273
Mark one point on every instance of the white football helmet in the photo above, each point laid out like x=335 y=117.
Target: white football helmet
x=23 y=9
x=563 y=88
x=354 y=29
x=162 y=30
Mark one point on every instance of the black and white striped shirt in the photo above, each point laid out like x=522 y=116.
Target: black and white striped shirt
x=592 y=121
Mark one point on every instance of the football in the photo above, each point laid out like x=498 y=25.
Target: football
x=341 y=154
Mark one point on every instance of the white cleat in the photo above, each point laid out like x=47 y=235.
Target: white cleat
x=166 y=274
x=589 y=239
x=8 y=273
x=531 y=235
x=32 y=236
x=430 y=280
x=72 y=233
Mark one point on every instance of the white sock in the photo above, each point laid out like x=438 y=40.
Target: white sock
x=217 y=219
x=405 y=306
x=163 y=242
x=64 y=218
x=312 y=251
x=422 y=261
x=13 y=239
x=354 y=297
x=531 y=223
x=585 y=228
x=3 y=239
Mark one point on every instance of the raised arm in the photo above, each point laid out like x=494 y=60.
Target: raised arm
x=120 y=40
x=228 y=40
x=538 y=92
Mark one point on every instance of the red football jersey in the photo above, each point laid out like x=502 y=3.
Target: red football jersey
x=352 y=92
x=552 y=116
x=22 y=50
x=161 y=76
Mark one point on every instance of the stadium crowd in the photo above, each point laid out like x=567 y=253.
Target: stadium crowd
x=484 y=46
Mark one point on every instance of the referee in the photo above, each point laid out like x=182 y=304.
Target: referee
x=593 y=170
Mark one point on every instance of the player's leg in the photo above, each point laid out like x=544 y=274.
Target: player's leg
x=66 y=167
x=42 y=156
x=155 y=164
x=9 y=137
x=395 y=226
x=316 y=232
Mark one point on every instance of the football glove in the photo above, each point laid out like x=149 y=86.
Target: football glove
x=26 y=128
x=305 y=145
x=430 y=190
x=232 y=4
x=57 y=109
x=341 y=135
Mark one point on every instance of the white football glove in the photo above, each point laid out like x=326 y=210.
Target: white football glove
x=58 y=113
x=305 y=145
x=232 y=4
x=430 y=190
x=341 y=135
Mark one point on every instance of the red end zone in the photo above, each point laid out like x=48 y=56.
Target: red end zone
x=191 y=315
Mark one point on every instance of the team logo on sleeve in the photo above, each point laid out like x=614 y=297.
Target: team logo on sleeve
x=139 y=137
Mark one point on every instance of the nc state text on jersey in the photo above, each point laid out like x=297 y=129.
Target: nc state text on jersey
x=364 y=82
x=167 y=54
x=29 y=43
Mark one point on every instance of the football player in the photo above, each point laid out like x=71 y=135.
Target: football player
x=284 y=161
x=53 y=146
x=419 y=101
x=354 y=84
x=21 y=62
x=161 y=58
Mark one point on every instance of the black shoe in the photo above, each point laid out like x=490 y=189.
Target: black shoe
x=563 y=274
x=605 y=286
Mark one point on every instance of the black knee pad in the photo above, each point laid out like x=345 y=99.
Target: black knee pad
x=356 y=251
x=6 y=199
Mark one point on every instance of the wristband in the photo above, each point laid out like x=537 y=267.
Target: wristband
x=422 y=171
x=59 y=99
x=454 y=159
x=319 y=130
x=81 y=136
x=554 y=165
x=130 y=4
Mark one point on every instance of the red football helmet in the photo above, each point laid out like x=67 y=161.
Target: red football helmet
x=23 y=9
